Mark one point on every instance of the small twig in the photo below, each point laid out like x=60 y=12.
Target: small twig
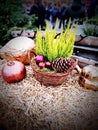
x=82 y=37
x=20 y=32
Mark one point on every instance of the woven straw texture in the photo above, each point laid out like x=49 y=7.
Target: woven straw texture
x=28 y=105
x=53 y=79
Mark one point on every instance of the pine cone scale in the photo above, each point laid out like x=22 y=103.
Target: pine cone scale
x=61 y=64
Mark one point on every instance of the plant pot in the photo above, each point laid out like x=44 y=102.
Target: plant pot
x=52 y=79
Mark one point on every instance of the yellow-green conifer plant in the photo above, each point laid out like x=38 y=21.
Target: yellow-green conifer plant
x=51 y=47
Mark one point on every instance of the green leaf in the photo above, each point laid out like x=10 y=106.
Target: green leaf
x=53 y=48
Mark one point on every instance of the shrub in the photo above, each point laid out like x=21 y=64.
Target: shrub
x=51 y=47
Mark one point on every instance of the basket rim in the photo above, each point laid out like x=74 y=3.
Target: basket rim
x=55 y=73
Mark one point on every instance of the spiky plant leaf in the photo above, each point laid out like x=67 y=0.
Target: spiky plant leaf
x=52 y=47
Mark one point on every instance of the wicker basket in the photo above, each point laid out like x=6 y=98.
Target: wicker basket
x=52 y=79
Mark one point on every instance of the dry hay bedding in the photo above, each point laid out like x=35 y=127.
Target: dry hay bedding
x=27 y=105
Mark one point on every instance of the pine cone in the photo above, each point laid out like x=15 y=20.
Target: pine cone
x=61 y=64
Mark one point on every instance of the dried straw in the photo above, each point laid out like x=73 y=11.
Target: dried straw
x=28 y=105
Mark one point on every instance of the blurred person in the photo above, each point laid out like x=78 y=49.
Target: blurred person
x=39 y=10
x=92 y=9
x=48 y=10
x=28 y=7
x=76 y=10
x=62 y=15
x=54 y=14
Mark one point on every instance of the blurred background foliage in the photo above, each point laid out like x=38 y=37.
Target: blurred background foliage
x=12 y=14
x=91 y=26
